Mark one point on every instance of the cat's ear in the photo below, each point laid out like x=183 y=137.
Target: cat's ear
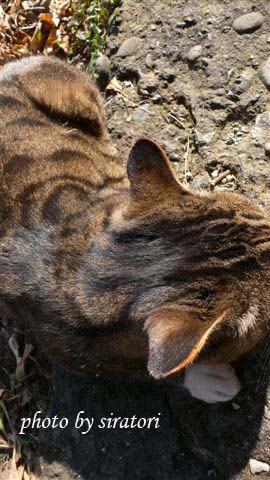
x=176 y=338
x=62 y=91
x=150 y=173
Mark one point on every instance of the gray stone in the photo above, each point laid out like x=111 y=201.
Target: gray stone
x=168 y=75
x=230 y=178
x=174 y=157
x=263 y=120
x=194 y=53
x=258 y=467
x=157 y=98
x=215 y=174
x=201 y=182
x=149 y=61
x=243 y=82
x=264 y=73
x=147 y=84
x=204 y=139
x=128 y=47
x=248 y=23
x=128 y=70
x=189 y=176
x=103 y=69
x=141 y=113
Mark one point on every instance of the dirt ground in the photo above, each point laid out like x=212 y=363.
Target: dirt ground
x=209 y=109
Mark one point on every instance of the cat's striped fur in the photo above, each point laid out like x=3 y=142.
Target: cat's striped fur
x=114 y=272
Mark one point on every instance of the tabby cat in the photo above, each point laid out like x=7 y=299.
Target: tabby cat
x=114 y=271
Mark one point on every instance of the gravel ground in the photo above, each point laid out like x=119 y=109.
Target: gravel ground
x=195 y=76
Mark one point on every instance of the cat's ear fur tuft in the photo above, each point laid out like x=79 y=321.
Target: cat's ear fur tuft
x=175 y=339
x=150 y=173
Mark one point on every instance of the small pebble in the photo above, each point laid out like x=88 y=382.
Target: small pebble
x=263 y=120
x=141 y=113
x=174 y=157
x=189 y=176
x=248 y=23
x=149 y=61
x=157 y=98
x=267 y=149
x=257 y=467
x=103 y=69
x=243 y=82
x=201 y=182
x=194 y=53
x=205 y=61
x=147 y=84
x=236 y=406
x=204 y=139
x=215 y=174
x=128 y=47
x=264 y=73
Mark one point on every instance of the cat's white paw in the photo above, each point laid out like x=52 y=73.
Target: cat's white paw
x=216 y=382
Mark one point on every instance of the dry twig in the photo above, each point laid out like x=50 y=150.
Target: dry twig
x=186 y=160
x=218 y=179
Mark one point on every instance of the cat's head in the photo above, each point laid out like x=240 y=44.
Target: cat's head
x=201 y=263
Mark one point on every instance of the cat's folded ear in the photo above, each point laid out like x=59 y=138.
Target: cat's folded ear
x=151 y=174
x=176 y=338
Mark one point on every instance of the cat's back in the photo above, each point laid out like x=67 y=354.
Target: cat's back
x=55 y=150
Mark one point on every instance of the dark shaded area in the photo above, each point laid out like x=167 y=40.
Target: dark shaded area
x=195 y=441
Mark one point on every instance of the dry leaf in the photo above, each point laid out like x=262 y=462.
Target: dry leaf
x=4 y=23
x=62 y=42
x=64 y=9
x=60 y=9
x=16 y=471
x=51 y=38
x=42 y=32
x=16 y=6
x=27 y=4
x=35 y=471
x=4 y=393
x=114 y=86
x=17 y=451
x=14 y=347
x=20 y=370
x=13 y=435
x=4 y=444
x=2 y=423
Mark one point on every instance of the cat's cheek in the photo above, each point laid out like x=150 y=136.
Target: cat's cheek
x=212 y=383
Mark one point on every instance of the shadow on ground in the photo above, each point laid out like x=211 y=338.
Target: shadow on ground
x=194 y=441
